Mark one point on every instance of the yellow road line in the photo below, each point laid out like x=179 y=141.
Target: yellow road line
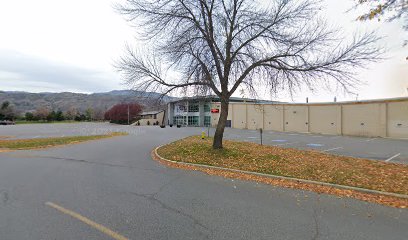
x=87 y=221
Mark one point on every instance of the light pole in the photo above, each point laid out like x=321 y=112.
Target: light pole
x=128 y=114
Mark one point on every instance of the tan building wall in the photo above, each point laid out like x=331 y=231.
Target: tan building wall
x=363 y=120
x=397 y=115
x=254 y=116
x=325 y=119
x=239 y=114
x=159 y=117
x=381 y=118
x=273 y=117
x=296 y=118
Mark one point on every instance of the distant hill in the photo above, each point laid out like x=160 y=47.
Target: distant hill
x=26 y=102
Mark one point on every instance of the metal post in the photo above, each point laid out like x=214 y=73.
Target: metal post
x=208 y=131
x=260 y=131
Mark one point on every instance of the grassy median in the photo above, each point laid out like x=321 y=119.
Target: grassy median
x=23 y=144
x=310 y=165
x=45 y=122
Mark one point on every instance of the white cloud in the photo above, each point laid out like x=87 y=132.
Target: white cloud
x=22 y=72
x=70 y=45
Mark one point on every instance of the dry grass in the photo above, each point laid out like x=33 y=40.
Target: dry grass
x=5 y=137
x=23 y=144
x=310 y=165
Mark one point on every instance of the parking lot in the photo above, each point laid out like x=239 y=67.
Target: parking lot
x=390 y=150
x=114 y=184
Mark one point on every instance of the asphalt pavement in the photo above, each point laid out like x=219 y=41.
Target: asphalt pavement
x=115 y=183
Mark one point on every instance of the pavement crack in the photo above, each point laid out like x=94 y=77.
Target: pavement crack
x=89 y=162
x=316 y=227
x=195 y=221
x=4 y=197
x=164 y=186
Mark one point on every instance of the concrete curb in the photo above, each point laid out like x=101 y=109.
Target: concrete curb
x=364 y=190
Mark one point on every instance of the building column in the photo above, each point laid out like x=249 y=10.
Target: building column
x=170 y=113
x=283 y=119
x=339 y=120
x=201 y=113
x=383 y=119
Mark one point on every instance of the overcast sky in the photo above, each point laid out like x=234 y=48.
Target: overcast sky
x=70 y=45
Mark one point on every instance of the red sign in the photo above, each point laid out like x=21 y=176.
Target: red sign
x=215 y=110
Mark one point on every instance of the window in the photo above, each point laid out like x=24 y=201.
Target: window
x=181 y=108
x=207 y=107
x=179 y=120
x=193 y=107
x=193 y=120
x=207 y=121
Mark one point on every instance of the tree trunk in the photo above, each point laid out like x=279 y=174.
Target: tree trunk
x=219 y=132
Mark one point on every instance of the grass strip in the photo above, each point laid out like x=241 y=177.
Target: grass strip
x=23 y=144
x=309 y=165
x=45 y=122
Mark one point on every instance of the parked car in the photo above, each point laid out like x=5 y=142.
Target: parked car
x=7 y=122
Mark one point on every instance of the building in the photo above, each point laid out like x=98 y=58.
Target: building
x=151 y=118
x=199 y=111
x=369 y=118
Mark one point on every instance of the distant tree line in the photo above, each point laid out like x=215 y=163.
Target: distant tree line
x=122 y=113
x=7 y=112
x=72 y=114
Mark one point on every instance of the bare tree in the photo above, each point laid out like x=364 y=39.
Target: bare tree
x=203 y=46
x=42 y=113
x=71 y=113
x=389 y=10
x=396 y=9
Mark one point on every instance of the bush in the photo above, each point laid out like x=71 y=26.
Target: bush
x=148 y=123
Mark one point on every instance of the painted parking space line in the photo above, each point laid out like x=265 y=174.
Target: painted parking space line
x=87 y=221
x=335 y=137
x=283 y=144
x=396 y=155
x=371 y=139
x=279 y=140
x=332 y=149
x=252 y=137
x=315 y=145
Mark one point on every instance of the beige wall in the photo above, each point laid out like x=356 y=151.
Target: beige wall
x=160 y=117
x=239 y=116
x=397 y=116
x=273 y=117
x=363 y=120
x=254 y=116
x=325 y=119
x=369 y=119
x=296 y=118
